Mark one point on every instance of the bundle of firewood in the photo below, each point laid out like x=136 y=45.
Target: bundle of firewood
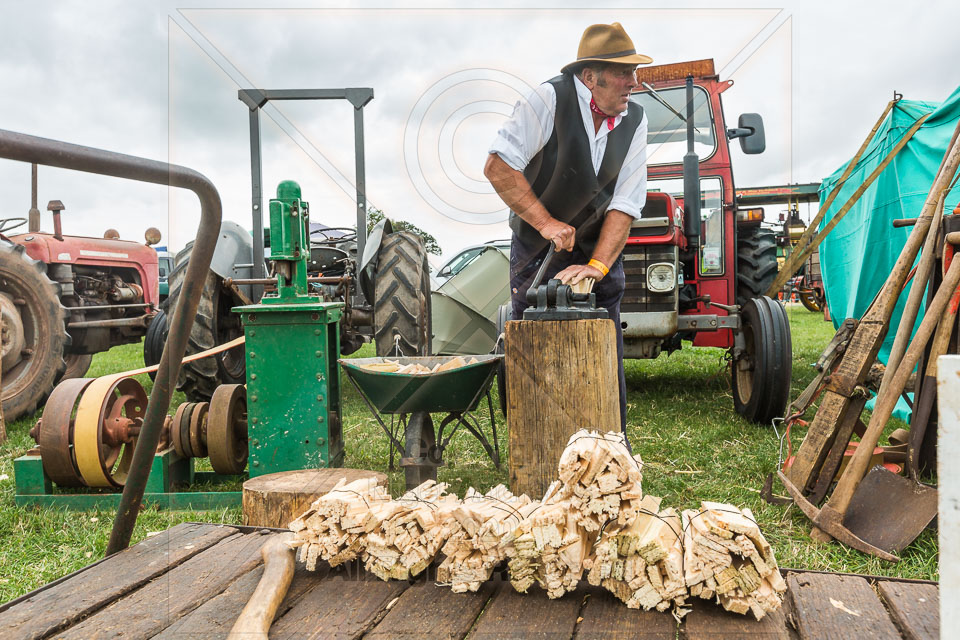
x=334 y=526
x=593 y=520
x=547 y=546
x=726 y=556
x=473 y=550
x=395 y=538
x=410 y=532
x=600 y=478
x=641 y=562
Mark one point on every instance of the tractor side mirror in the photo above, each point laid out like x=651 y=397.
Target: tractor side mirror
x=750 y=131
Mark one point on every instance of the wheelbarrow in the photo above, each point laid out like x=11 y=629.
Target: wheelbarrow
x=410 y=398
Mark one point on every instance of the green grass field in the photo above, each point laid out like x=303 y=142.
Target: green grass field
x=680 y=419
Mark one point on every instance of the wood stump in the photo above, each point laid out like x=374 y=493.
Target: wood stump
x=276 y=499
x=561 y=377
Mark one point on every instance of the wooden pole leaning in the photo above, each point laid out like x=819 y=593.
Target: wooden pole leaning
x=561 y=377
x=865 y=343
x=803 y=251
x=908 y=318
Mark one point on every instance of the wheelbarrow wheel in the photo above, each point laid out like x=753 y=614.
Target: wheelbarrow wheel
x=420 y=443
x=811 y=300
x=504 y=314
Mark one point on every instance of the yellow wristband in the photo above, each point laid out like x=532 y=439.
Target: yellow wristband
x=596 y=264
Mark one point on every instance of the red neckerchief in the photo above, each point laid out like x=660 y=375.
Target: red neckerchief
x=596 y=109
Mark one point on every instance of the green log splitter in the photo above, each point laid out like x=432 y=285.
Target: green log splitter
x=292 y=347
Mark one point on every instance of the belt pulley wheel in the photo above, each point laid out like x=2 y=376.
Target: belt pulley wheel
x=180 y=430
x=56 y=433
x=198 y=429
x=227 y=429
x=106 y=428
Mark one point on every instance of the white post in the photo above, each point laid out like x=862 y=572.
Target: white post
x=948 y=481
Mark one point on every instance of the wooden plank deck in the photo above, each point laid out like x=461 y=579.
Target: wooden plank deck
x=191 y=582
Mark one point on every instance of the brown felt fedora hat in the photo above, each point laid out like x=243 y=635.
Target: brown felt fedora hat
x=607 y=43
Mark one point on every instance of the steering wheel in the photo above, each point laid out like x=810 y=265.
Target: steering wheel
x=9 y=224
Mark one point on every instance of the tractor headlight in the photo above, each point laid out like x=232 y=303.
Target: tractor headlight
x=661 y=277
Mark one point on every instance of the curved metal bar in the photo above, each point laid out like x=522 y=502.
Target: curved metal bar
x=53 y=153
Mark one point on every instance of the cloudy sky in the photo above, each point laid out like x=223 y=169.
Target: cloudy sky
x=160 y=79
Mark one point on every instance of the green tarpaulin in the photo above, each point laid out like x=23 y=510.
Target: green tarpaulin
x=857 y=256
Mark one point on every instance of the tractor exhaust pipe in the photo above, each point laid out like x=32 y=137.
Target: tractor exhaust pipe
x=33 y=220
x=691 y=180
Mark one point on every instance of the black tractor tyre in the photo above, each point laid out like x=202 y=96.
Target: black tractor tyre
x=504 y=313
x=420 y=442
x=34 y=332
x=214 y=325
x=154 y=340
x=77 y=365
x=762 y=371
x=401 y=307
x=756 y=263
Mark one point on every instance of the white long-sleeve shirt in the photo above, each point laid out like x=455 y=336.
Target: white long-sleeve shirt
x=531 y=125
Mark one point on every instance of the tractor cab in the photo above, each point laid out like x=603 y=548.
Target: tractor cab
x=696 y=267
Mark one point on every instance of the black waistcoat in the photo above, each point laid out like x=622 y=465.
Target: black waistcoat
x=562 y=174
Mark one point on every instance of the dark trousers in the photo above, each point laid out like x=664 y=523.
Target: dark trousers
x=609 y=291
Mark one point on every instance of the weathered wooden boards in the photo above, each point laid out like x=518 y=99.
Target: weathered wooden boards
x=554 y=390
x=62 y=605
x=726 y=556
x=203 y=599
x=275 y=499
x=831 y=606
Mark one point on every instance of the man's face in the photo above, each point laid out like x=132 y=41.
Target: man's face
x=612 y=86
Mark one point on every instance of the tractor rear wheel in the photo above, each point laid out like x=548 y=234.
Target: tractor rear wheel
x=420 y=444
x=401 y=307
x=77 y=365
x=756 y=263
x=214 y=325
x=762 y=361
x=34 y=334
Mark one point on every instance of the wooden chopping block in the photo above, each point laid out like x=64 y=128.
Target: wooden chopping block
x=276 y=499
x=561 y=377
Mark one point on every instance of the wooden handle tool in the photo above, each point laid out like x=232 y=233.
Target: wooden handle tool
x=278 y=565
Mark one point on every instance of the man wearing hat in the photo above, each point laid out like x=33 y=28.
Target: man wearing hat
x=570 y=163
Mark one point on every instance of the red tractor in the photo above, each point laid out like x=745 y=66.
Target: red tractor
x=696 y=266
x=64 y=298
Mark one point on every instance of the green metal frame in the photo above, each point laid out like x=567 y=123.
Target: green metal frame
x=169 y=476
x=292 y=347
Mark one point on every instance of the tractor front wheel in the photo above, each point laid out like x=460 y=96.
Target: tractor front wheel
x=762 y=361
x=34 y=334
x=401 y=307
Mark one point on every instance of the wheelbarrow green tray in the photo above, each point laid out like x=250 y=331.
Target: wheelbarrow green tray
x=456 y=390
